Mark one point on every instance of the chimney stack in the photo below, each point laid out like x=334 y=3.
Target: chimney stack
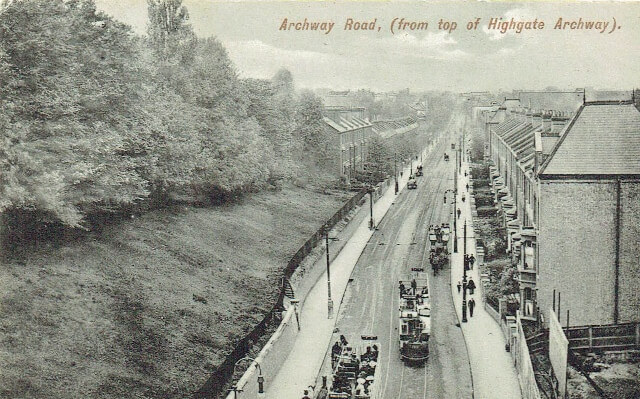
x=537 y=119
x=546 y=121
x=557 y=123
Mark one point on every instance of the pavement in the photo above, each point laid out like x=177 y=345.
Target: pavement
x=305 y=360
x=494 y=375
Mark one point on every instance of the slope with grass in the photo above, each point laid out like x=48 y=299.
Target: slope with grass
x=148 y=307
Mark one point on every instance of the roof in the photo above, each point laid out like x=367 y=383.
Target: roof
x=602 y=139
x=344 y=125
x=388 y=128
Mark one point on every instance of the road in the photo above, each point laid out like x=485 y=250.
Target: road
x=371 y=302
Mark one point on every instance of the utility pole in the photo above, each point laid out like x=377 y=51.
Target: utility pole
x=464 y=276
x=329 y=300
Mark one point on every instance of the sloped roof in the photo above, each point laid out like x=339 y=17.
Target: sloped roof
x=344 y=125
x=333 y=124
x=602 y=139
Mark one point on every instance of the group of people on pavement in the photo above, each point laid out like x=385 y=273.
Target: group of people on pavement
x=469 y=260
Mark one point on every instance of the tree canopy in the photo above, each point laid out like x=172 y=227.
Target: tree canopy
x=95 y=119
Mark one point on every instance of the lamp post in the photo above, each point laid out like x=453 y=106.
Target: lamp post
x=455 y=206
x=464 y=276
x=329 y=300
x=395 y=170
x=234 y=388
x=372 y=224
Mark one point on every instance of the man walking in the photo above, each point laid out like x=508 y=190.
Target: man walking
x=459 y=287
x=472 y=304
x=471 y=285
x=459 y=212
x=472 y=260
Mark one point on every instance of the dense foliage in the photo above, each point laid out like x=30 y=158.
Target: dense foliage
x=95 y=119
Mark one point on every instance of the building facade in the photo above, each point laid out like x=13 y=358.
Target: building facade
x=352 y=133
x=568 y=188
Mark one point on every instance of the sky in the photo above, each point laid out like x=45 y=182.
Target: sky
x=459 y=60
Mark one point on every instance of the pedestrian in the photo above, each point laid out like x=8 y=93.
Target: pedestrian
x=306 y=395
x=472 y=304
x=465 y=173
x=401 y=289
x=472 y=260
x=414 y=286
x=467 y=186
x=459 y=212
x=459 y=286
x=400 y=173
x=471 y=285
x=343 y=341
x=463 y=198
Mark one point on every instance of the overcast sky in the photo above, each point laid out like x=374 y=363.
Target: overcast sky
x=477 y=59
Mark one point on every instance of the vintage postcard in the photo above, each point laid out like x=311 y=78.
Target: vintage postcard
x=319 y=199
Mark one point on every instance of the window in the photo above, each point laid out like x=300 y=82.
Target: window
x=528 y=296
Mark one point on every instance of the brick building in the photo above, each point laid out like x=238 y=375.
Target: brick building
x=568 y=189
x=351 y=132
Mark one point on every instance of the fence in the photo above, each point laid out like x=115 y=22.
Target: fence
x=597 y=337
x=223 y=374
x=522 y=360
x=607 y=337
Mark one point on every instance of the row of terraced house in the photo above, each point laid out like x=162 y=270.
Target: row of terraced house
x=352 y=132
x=568 y=183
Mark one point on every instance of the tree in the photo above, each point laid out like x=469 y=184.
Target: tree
x=378 y=159
x=171 y=37
x=70 y=93
x=310 y=125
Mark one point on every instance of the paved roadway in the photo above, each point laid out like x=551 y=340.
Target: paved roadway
x=371 y=302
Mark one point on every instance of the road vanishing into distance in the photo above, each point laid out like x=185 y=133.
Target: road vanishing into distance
x=371 y=301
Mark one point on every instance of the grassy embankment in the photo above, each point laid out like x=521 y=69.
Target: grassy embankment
x=147 y=307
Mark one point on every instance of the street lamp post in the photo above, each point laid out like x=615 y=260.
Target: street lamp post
x=464 y=276
x=234 y=388
x=455 y=206
x=329 y=300
x=395 y=170
x=371 y=222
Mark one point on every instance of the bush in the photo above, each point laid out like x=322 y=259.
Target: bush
x=486 y=211
x=480 y=172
